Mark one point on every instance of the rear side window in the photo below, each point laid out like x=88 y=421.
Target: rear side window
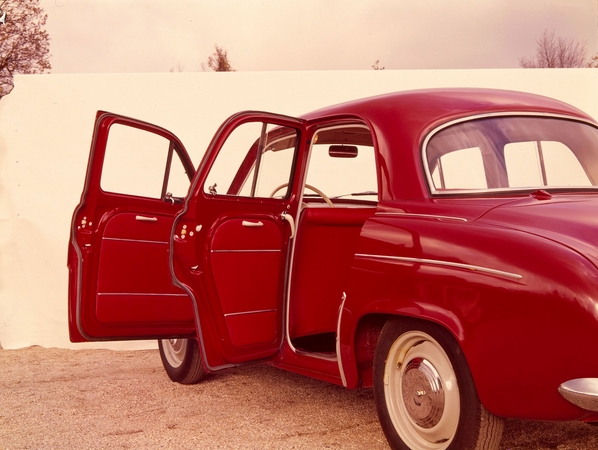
x=516 y=152
x=460 y=169
x=543 y=163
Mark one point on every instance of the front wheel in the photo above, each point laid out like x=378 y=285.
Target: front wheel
x=181 y=359
x=425 y=394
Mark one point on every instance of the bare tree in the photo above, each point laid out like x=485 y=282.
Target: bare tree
x=556 y=51
x=377 y=66
x=219 y=61
x=593 y=62
x=24 y=42
x=179 y=68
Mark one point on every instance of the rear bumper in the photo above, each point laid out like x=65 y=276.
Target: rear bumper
x=582 y=392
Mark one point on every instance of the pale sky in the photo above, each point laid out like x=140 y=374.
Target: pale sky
x=160 y=35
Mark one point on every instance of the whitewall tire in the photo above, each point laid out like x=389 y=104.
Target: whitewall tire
x=425 y=394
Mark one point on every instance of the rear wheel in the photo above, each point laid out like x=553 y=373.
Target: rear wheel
x=425 y=394
x=181 y=359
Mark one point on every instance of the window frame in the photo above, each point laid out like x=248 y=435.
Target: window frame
x=250 y=167
x=334 y=125
x=174 y=148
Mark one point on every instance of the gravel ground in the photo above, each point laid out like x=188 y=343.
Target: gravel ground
x=104 y=399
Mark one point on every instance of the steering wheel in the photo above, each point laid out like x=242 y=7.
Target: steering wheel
x=311 y=188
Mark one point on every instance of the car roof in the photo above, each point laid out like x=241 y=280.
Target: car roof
x=402 y=120
x=448 y=103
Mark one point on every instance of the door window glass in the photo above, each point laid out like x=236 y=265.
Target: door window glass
x=143 y=164
x=255 y=161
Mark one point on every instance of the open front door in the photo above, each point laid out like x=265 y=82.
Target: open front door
x=231 y=244
x=120 y=286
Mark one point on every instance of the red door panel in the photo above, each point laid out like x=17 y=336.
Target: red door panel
x=134 y=282
x=249 y=233
x=120 y=285
x=245 y=256
x=134 y=255
x=245 y=330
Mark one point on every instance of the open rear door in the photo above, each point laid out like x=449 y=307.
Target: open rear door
x=120 y=285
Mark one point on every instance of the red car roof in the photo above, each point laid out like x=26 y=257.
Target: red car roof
x=401 y=121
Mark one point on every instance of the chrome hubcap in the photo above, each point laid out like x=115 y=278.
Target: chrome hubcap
x=422 y=393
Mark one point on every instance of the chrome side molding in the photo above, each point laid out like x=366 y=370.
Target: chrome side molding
x=501 y=273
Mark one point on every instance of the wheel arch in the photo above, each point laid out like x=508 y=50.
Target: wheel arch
x=367 y=332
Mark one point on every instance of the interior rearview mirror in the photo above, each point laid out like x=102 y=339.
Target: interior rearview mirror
x=342 y=151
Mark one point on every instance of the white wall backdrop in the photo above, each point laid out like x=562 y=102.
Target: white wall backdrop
x=45 y=134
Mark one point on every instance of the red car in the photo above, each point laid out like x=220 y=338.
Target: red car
x=440 y=246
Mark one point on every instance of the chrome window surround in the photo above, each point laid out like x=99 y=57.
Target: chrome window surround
x=430 y=135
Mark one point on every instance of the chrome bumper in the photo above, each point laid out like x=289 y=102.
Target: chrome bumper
x=582 y=392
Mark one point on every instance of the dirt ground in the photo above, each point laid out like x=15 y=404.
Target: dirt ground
x=104 y=399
